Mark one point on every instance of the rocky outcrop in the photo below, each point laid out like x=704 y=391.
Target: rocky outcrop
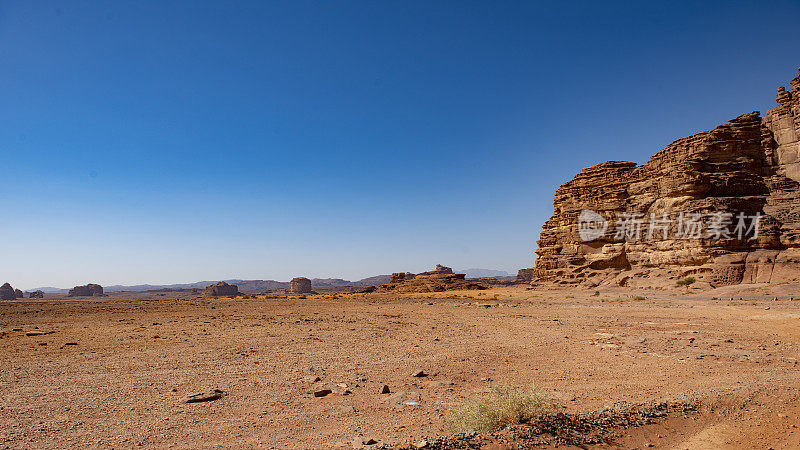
x=439 y=270
x=90 y=290
x=221 y=289
x=524 y=276
x=401 y=276
x=19 y=293
x=438 y=280
x=36 y=294
x=300 y=285
x=7 y=292
x=722 y=205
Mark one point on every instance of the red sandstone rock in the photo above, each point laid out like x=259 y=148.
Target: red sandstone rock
x=749 y=165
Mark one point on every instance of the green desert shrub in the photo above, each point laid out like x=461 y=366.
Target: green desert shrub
x=686 y=282
x=502 y=406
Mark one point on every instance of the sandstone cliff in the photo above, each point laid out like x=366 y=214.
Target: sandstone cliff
x=721 y=205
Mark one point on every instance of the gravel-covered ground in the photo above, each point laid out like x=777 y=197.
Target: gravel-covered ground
x=114 y=371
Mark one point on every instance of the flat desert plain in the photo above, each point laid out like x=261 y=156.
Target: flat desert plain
x=112 y=372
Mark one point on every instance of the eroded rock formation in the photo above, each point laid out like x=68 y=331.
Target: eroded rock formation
x=740 y=182
x=36 y=294
x=89 y=290
x=300 y=285
x=220 y=289
x=438 y=280
x=7 y=292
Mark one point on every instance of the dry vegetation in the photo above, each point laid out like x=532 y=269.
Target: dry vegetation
x=500 y=407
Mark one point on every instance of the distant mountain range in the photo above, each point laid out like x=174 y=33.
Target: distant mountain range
x=263 y=285
x=484 y=273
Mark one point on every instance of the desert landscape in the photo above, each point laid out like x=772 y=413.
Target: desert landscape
x=610 y=341
x=713 y=369
x=235 y=225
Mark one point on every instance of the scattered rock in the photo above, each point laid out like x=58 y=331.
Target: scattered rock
x=203 y=396
x=385 y=390
x=419 y=373
x=322 y=392
x=38 y=333
x=400 y=398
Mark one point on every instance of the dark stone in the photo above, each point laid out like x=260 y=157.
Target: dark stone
x=90 y=290
x=301 y=285
x=7 y=292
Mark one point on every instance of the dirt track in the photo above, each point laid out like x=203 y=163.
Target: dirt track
x=135 y=359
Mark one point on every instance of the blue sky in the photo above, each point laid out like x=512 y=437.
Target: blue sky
x=167 y=142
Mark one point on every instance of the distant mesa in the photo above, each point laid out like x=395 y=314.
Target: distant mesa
x=437 y=280
x=7 y=292
x=440 y=269
x=221 y=289
x=36 y=294
x=90 y=290
x=300 y=285
x=485 y=273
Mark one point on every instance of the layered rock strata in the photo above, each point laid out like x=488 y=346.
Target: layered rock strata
x=721 y=206
x=438 y=280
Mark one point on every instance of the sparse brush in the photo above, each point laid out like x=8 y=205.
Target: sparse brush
x=638 y=298
x=502 y=406
x=686 y=282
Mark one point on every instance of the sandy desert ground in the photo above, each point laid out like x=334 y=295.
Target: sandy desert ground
x=111 y=372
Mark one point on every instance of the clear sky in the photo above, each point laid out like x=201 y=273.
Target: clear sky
x=163 y=142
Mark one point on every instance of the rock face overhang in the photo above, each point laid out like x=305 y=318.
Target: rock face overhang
x=747 y=168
